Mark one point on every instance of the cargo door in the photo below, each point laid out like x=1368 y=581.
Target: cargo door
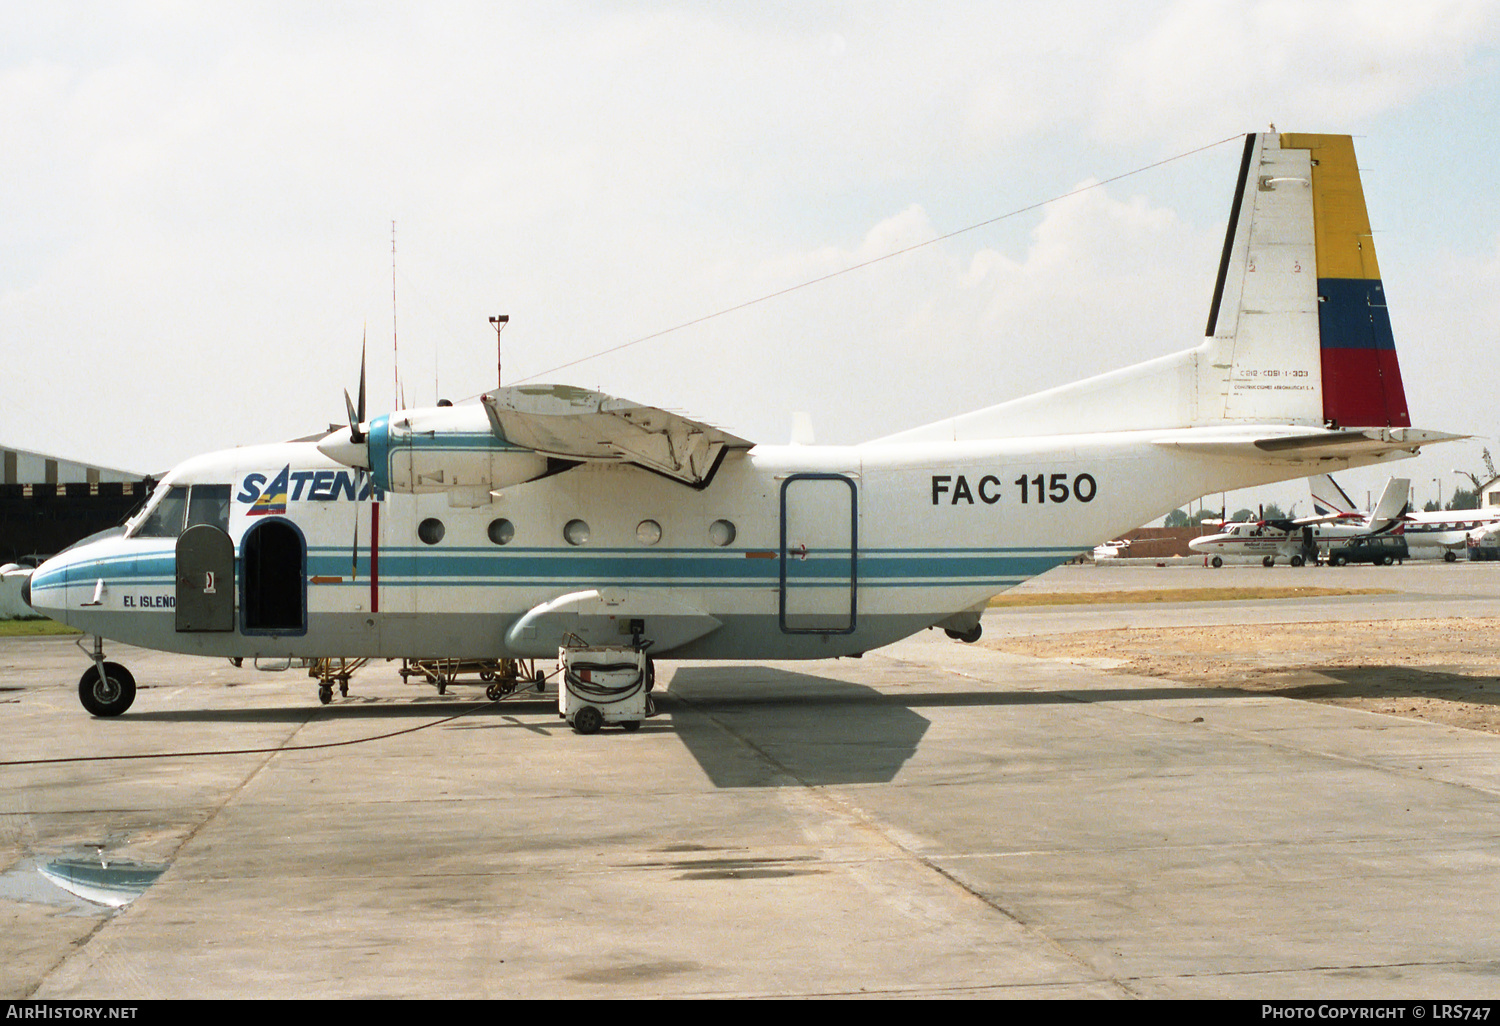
x=819 y=554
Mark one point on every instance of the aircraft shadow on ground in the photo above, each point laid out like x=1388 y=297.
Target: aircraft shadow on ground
x=354 y=707
x=754 y=726
x=751 y=726
x=1372 y=682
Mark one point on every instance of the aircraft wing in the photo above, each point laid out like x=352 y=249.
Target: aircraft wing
x=1289 y=526
x=1326 y=518
x=578 y=424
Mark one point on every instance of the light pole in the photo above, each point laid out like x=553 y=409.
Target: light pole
x=1439 y=486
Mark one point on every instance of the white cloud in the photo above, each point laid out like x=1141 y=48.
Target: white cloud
x=200 y=200
x=1208 y=63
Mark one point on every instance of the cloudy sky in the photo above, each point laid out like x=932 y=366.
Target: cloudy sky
x=198 y=203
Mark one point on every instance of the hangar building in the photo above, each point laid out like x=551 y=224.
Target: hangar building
x=47 y=503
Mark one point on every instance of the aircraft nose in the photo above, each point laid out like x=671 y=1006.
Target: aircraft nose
x=44 y=590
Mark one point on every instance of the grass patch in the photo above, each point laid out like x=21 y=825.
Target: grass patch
x=35 y=627
x=1100 y=598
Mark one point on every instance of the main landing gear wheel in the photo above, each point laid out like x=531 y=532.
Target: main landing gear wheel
x=109 y=696
x=588 y=720
x=1449 y=557
x=967 y=637
x=1296 y=561
x=1268 y=561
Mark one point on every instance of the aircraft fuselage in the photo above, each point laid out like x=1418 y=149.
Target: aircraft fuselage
x=788 y=552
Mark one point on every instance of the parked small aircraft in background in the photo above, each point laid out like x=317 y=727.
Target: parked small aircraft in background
x=1299 y=540
x=1447 y=532
x=542 y=517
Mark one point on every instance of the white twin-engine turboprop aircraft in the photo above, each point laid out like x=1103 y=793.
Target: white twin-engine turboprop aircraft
x=548 y=515
x=1300 y=540
x=1444 y=532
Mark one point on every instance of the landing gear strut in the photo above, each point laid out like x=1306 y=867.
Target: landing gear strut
x=105 y=689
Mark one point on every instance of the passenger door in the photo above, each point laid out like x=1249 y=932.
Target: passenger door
x=205 y=580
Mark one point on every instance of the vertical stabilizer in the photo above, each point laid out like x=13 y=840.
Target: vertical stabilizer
x=1329 y=497
x=1299 y=309
x=1298 y=333
x=1264 y=319
x=1393 y=504
x=1361 y=377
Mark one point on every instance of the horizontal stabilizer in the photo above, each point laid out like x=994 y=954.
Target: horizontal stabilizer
x=578 y=424
x=610 y=616
x=1270 y=447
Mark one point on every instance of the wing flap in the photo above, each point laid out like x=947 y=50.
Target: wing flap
x=579 y=424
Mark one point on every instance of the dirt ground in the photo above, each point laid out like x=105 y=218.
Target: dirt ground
x=1439 y=670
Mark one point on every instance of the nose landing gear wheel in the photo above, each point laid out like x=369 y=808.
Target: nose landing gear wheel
x=109 y=696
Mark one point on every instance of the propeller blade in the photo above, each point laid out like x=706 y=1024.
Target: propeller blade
x=361 y=411
x=354 y=545
x=357 y=414
x=355 y=434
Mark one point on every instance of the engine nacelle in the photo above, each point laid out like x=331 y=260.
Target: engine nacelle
x=436 y=450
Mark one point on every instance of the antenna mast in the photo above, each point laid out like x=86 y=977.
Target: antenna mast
x=499 y=322
x=395 y=348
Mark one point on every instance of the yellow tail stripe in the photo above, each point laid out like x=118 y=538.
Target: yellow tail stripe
x=1340 y=222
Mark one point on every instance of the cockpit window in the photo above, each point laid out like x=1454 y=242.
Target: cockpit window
x=209 y=504
x=165 y=519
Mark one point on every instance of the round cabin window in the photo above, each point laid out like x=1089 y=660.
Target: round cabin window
x=576 y=532
x=431 y=530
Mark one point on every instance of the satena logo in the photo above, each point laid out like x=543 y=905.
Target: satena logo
x=273 y=499
x=298 y=485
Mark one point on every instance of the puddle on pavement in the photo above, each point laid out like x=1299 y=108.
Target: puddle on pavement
x=87 y=880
